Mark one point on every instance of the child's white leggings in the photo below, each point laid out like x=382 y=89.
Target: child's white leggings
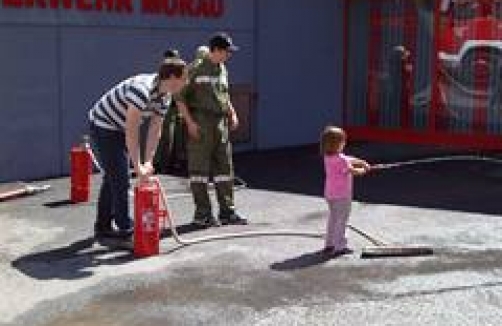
x=339 y=211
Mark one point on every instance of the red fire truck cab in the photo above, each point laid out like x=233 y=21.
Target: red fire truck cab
x=469 y=50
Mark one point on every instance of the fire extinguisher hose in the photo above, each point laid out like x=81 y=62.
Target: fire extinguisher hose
x=380 y=249
x=247 y=234
x=432 y=160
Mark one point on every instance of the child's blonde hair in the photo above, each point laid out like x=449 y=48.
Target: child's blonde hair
x=332 y=139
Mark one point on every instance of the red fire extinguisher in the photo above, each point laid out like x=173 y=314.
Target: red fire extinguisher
x=148 y=219
x=80 y=171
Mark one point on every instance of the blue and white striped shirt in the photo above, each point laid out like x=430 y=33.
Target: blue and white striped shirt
x=140 y=91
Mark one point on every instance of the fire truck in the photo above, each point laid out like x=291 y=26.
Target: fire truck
x=470 y=55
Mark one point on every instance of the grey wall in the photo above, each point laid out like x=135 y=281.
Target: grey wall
x=29 y=123
x=55 y=63
x=300 y=70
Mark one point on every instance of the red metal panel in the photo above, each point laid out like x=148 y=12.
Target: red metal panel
x=407 y=68
x=442 y=128
x=442 y=138
x=481 y=78
x=435 y=96
x=375 y=36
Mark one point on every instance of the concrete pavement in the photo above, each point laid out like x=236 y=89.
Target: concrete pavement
x=52 y=272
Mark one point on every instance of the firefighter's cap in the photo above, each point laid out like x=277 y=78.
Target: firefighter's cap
x=222 y=40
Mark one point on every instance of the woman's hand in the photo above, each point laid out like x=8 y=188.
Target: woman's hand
x=145 y=171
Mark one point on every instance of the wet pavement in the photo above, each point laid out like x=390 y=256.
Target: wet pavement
x=53 y=273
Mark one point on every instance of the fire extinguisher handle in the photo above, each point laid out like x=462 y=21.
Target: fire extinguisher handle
x=150 y=180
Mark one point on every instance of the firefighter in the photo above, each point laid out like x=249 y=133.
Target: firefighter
x=170 y=154
x=209 y=116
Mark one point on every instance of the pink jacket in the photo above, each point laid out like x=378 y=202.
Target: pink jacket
x=338 y=184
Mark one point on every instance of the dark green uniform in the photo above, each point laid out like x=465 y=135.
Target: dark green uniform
x=207 y=97
x=171 y=152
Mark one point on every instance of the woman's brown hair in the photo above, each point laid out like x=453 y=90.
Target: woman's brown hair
x=331 y=139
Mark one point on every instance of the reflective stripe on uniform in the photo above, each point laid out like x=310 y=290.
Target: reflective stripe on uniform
x=207 y=79
x=223 y=178
x=199 y=179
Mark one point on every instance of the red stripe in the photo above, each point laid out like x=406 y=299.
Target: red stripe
x=373 y=91
x=441 y=138
x=435 y=96
x=481 y=83
x=407 y=76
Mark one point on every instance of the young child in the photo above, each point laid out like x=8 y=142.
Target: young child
x=339 y=169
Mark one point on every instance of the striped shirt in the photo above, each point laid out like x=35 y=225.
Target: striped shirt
x=140 y=91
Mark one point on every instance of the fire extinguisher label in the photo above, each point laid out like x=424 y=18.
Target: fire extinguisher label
x=148 y=221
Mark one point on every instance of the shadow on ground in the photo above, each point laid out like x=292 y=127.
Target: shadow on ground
x=69 y=262
x=75 y=260
x=303 y=261
x=468 y=186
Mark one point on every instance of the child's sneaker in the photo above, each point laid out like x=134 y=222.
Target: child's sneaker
x=342 y=252
x=328 y=251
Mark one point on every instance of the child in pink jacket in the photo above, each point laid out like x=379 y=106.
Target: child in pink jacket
x=339 y=169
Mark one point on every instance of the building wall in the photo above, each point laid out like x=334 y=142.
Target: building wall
x=29 y=93
x=58 y=63
x=300 y=70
